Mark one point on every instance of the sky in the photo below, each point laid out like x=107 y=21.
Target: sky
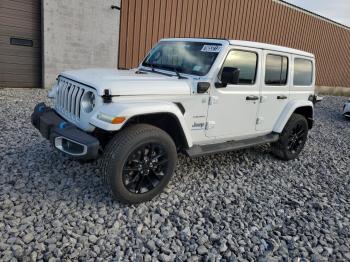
x=337 y=10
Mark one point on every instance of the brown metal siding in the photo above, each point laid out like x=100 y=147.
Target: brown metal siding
x=20 y=66
x=144 y=22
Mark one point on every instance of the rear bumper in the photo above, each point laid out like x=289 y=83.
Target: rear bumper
x=63 y=135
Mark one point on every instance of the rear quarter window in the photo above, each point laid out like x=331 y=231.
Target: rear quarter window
x=303 y=72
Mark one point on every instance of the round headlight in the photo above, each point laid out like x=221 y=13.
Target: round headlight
x=88 y=102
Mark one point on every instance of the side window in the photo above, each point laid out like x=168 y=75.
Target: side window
x=276 y=70
x=246 y=62
x=303 y=72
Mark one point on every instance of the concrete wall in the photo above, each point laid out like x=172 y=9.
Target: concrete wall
x=78 y=34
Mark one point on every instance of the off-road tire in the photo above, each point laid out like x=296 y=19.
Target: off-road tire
x=121 y=146
x=280 y=148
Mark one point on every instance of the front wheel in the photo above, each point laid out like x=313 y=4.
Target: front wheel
x=138 y=163
x=292 y=139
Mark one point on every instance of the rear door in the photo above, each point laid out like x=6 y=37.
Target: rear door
x=275 y=84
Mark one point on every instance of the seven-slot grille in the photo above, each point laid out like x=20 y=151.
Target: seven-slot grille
x=68 y=98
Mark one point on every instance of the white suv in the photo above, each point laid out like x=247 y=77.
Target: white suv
x=196 y=96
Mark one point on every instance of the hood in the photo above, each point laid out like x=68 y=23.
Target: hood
x=128 y=83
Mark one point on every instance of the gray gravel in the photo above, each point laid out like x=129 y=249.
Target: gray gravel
x=241 y=206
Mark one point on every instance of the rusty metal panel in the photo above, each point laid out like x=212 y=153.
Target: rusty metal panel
x=264 y=25
x=246 y=19
x=123 y=33
x=213 y=17
x=207 y=15
x=202 y=6
x=144 y=22
x=194 y=19
x=178 y=18
x=188 y=25
x=161 y=19
x=252 y=28
x=143 y=29
x=130 y=33
x=136 y=36
x=229 y=11
x=172 y=17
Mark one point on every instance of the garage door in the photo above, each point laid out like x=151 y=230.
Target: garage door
x=20 y=40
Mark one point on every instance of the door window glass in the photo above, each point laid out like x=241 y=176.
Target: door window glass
x=246 y=62
x=276 y=70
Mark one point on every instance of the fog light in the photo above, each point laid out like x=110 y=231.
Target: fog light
x=70 y=147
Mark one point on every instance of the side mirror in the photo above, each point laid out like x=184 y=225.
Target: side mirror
x=202 y=87
x=230 y=75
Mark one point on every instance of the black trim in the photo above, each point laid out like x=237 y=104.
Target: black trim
x=197 y=150
x=70 y=79
x=181 y=107
x=51 y=125
x=107 y=97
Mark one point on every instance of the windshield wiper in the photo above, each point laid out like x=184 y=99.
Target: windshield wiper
x=151 y=65
x=178 y=74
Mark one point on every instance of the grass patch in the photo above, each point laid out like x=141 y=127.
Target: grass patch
x=333 y=91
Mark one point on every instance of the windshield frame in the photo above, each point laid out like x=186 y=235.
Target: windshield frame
x=170 y=69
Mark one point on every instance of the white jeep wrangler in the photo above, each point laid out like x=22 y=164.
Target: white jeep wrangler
x=196 y=96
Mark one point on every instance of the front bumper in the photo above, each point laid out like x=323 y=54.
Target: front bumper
x=63 y=135
x=346 y=109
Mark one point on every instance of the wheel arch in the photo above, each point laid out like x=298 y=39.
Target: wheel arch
x=304 y=108
x=167 y=116
x=307 y=112
x=166 y=121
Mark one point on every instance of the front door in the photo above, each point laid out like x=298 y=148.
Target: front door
x=233 y=109
x=274 y=89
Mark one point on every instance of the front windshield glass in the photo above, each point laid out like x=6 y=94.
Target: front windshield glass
x=193 y=58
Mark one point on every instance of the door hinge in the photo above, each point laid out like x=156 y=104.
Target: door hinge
x=213 y=100
x=263 y=99
x=259 y=120
x=209 y=125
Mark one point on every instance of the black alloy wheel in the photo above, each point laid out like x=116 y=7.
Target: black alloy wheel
x=138 y=163
x=145 y=168
x=296 y=138
x=292 y=139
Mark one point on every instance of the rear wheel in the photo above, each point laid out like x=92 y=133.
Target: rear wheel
x=138 y=163
x=292 y=139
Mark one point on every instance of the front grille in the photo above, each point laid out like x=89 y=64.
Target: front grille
x=68 y=98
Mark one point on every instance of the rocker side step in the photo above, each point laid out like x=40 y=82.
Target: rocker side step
x=197 y=150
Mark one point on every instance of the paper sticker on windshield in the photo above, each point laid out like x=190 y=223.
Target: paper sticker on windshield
x=211 y=48
x=197 y=68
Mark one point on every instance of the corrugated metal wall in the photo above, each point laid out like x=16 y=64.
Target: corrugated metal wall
x=144 y=22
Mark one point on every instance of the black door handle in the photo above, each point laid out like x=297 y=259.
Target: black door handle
x=251 y=98
x=281 y=97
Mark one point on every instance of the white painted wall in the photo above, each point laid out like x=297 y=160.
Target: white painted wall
x=79 y=34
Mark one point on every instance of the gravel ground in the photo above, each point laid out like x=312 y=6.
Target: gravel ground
x=243 y=205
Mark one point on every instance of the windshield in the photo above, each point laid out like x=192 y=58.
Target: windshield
x=193 y=58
